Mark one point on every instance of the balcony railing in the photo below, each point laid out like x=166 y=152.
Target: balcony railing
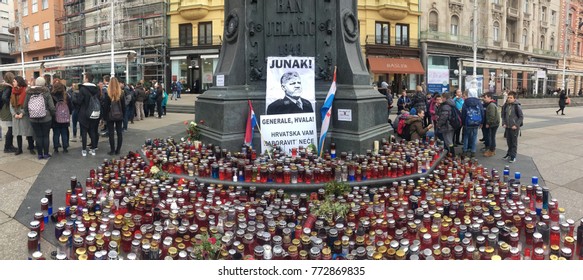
x=514 y=45
x=512 y=12
x=392 y=41
x=195 y=42
x=443 y=36
x=546 y=52
x=497 y=7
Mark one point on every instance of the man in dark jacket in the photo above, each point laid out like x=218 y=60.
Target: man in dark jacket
x=159 y=97
x=491 y=124
x=141 y=96
x=512 y=119
x=87 y=124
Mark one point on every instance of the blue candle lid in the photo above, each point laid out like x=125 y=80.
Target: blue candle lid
x=516 y=175
x=506 y=172
x=534 y=180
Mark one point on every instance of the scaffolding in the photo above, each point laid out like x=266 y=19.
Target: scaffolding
x=139 y=25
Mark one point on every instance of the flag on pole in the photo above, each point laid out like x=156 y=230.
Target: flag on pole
x=251 y=123
x=326 y=112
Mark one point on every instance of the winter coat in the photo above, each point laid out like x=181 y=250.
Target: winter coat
x=59 y=97
x=141 y=95
x=5 y=95
x=418 y=101
x=86 y=90
x=159 y=94
x=512 y=115
x=21 y=126
x=471 y=102
x=416 y=129
x=107 y=106
x=443 y=112
x=49 y=104
x=492 y=114
x=562 y=99
x=165 y=99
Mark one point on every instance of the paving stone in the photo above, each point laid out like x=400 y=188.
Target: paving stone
x=12 y=195
x=23 y=168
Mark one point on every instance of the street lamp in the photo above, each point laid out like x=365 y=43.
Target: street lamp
x=534 y=84
x=457 y=73
x=503 y=77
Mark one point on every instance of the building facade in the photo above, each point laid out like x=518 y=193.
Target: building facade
x=195 y=39
x=571 y=47
x=389 y=39
x=35 y=27
x=139 y=25
x=6 y=38
x=517 y=45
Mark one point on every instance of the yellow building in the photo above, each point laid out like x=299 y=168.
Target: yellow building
x=389 y=32
x=389 y=36
x=195 y=35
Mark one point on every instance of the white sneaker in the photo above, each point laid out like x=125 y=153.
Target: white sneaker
x=92 y=152
x=84 y=153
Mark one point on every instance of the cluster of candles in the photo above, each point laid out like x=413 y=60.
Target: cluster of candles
x=460 y=210
x=388 y=159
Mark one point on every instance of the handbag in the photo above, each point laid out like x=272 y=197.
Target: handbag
x=568 y=101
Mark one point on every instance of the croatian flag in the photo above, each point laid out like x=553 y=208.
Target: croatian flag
x=251 y=123
x=326 y=112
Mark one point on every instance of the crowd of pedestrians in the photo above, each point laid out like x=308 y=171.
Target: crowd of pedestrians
x=32 y=110
x=458 y=119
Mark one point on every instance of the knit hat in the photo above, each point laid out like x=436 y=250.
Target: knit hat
x=473 y=93
x=40 y=82
x=413 y=111
x=384 y=85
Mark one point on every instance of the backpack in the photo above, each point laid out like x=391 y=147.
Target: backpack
x=115 y=111
x=128 y=95
x=94 y=109
x=62 y=115
x=455 y=118
x=36 y=107
x=406 y=132
x=473 y=116
x=402 y=128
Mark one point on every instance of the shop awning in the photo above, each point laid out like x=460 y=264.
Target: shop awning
x=395 y=65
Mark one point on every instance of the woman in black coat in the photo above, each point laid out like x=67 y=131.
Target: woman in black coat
x=562 y=103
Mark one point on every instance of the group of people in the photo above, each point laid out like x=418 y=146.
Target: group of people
x=458 y=117
x=31 y=110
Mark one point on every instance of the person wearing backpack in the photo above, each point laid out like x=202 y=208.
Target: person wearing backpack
x=62 y=118
x=87 y=100
x=512 y=119
x=20 y=123
x=40 y=109
x=472 y=117
x=492 y=123
x=113 y=113
x=128 y=115
x=444 y=129
x=415 y=126
x=5 y=112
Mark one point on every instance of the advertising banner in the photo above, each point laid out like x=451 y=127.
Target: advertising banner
x=290 y=102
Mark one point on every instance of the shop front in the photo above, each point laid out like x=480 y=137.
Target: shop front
x=194 y=68
x=399 y=73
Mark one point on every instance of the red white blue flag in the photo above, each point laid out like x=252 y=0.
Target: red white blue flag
x=326 y=112
x=251 y=123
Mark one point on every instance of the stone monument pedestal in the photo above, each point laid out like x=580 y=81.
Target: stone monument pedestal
x=255 y=30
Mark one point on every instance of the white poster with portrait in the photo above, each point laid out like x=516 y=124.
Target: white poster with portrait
x=290 y=102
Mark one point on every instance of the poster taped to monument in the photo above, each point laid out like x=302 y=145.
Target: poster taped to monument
x=289 y=120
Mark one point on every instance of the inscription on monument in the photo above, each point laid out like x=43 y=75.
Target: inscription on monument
x=290 y=28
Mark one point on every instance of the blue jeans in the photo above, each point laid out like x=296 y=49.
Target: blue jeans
x=128 y=115
x=74 y=121
x=174 y=95
x=491 y=138
x=61 y=133
x=470 y=138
